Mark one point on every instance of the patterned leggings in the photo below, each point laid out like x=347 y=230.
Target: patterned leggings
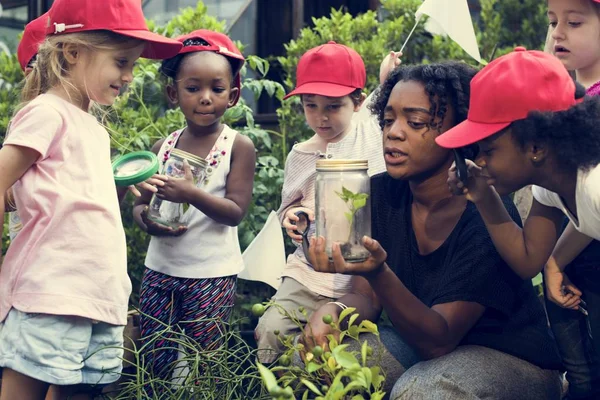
x=193 y=305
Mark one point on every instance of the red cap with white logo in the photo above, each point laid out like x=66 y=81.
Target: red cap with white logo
x=124 y=17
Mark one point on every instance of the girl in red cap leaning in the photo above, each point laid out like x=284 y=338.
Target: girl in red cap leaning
x=534 y=126
x=190 y=277
x=64 y=288
x=329 y=80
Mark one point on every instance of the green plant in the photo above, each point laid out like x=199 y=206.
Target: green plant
x=337 y=373
x=354 y=202
x=225 y=372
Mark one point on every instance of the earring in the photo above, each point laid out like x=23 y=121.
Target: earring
x=534 y=158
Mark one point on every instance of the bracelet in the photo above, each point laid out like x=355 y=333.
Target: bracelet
x=339 y=304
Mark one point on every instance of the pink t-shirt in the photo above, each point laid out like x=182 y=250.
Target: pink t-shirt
x=71 y=257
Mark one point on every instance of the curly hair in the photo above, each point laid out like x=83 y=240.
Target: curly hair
x=572 y=136
x=445 y=83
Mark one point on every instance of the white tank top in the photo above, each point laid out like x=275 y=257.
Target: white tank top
x=208 y=249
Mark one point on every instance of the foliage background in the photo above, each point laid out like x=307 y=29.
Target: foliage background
x=142 y=116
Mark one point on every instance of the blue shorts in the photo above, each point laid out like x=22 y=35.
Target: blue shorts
x=61 y=349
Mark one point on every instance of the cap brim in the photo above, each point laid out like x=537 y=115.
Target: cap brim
x=158 y=47
x=468 y=132
x=323 y=89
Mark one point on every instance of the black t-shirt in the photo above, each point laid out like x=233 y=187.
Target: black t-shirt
x=466 y=267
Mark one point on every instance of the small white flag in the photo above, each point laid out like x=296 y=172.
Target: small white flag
x=454 y=18
x=264 y=258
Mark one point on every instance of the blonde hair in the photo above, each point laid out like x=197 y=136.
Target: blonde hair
x=51 y=68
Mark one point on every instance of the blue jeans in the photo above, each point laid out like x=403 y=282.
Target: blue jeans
x=579 y=351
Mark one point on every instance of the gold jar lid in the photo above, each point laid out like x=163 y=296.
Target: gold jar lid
x=190 y=157
x=342 y=165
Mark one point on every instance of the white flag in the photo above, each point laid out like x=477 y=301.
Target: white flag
x=264 y=259
x=454 y=18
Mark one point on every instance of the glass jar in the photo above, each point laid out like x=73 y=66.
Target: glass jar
x=343 y=206
x=165 y=212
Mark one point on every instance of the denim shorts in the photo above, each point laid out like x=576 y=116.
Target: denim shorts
x=61 y=349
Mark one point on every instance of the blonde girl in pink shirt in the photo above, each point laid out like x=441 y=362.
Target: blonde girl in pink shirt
x=64 y=287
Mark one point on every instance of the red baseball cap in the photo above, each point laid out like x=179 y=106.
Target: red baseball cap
x=124 y=17
x=206 y=40
x=33 y=36
x=507 y=90
x=331 y=69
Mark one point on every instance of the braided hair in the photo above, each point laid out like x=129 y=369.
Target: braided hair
x=445 y=83
x=572 y=136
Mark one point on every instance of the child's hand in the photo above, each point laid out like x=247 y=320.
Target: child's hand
x=290 y=220
x=559 y=288
x=151 y=184
x=478 y=182
x=176 y=190
x=156 y=229
x=389 y=63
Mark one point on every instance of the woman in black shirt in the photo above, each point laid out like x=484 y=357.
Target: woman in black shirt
x=465 y=325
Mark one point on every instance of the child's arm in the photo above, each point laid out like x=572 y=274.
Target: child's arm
x=14 y=161
x=559 y=288
x=389 y=63
x=526 y=250
x=228 y=210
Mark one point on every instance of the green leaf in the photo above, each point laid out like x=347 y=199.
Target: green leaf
x=346 y=359
x=377 y=378
x=368 y=326
x=368 y=376
x=267 y=376
x=363 y=352
x=352 y=319
x=359 y=203
x=345 y=313
x=347 y=193
x=313 y=367
x=349 y=217
x=311 y=386
x=342 y=196
x=537 y=280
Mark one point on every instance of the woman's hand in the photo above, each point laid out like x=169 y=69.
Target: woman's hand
x=156 y=229
x=559 y=289
x=478 y=182
x=316 y=331
x=320 y=260
x=291 y=219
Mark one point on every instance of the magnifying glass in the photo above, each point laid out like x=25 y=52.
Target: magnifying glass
x=133 y=168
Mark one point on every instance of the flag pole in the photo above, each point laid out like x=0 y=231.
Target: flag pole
x=411 y=32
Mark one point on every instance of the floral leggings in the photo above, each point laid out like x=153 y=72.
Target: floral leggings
x=192 y=305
